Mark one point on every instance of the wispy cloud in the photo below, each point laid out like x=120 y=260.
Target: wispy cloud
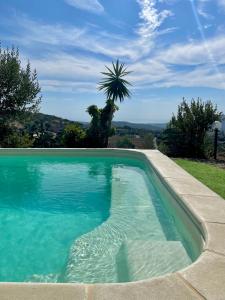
x=202 y=8
x=183 y=65
x=90 y=5
x=103 y=42
x=151 y=18
x=194 y=53
x=62 y=86
x=149 y=26
x=65 y=67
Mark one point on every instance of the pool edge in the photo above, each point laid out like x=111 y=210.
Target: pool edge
x=201 y=280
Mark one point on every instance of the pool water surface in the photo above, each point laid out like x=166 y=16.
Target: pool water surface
x=85 y=219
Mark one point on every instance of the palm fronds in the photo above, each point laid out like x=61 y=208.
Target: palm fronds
x=114 y=85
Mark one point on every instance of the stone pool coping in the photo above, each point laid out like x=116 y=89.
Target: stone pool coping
x=204 y=279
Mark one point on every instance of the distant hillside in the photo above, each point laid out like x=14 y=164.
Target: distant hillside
x=146 y=126
x=54 y=124
x=57 y=124
x=152 y=126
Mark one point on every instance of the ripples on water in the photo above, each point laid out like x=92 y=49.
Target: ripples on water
x=67 y=219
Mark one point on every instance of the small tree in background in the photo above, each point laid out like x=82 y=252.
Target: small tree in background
x=19 y=139
x=100 y=128
x=126 y=143
x=94 y=130
x=43 y=137
x=73 y=136
x=19 y=89
x=149 y=141
x=186 y=133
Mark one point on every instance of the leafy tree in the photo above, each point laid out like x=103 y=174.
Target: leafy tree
x=17 y=139
x=19 y=89
x=39 y=131
x=44 y=139
x=126 y=143
x=115 y=88
x=106 y=128
x=73 y=136
x=100 y=128
x=186 y=133
x=94 y=130
x=149 y=141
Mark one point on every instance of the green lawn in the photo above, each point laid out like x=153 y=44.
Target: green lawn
x=212 y=176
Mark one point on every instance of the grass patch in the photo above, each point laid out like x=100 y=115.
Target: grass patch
x=211 y=176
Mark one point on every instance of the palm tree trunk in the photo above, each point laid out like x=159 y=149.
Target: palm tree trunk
x=106 y=121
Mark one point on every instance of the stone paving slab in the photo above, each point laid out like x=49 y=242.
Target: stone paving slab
x=27 y=291
x=207 y=275
x=166 y=167
x=208 y=209
x=216 y=240
x=164 y=288
x=189 y=186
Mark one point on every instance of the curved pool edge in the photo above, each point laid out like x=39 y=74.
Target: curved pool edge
x=204 y=279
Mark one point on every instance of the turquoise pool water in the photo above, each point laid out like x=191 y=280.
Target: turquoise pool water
x=85 y=219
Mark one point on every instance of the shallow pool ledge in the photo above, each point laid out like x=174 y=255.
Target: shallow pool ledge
x=204 y=279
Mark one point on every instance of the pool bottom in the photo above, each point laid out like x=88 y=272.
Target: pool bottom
x=136 y=240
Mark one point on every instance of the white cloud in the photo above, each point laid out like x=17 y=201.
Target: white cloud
x=65 y=86
x=90 y=5
x=202 y=8
x=183 y=65
x=195 y=53
x=149 y=27
x=65 y=67
x=102 y=42
x=151 y=18
x=81 y=38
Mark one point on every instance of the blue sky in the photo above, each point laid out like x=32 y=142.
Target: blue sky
x=175 y=48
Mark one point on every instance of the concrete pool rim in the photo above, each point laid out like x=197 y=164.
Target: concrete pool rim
x=204 y=279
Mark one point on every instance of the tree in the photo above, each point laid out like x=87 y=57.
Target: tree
x=19 y=89
x=94 y=130
x=18 y=139
x=100 y=129
x=186 y=133
x=126 y=143
x=149 y=141
x=114 y=85
x=73 y=136
x=115 y=88
x=39 y=130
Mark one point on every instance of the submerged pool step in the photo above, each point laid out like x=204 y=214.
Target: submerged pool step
x=122 y=261
x=92 y=257
x=141 y=259
x=130 y=245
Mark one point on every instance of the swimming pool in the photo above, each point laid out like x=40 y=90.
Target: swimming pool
x=81 y=217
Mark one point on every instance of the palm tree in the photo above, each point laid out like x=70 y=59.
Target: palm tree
x=115 y=87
